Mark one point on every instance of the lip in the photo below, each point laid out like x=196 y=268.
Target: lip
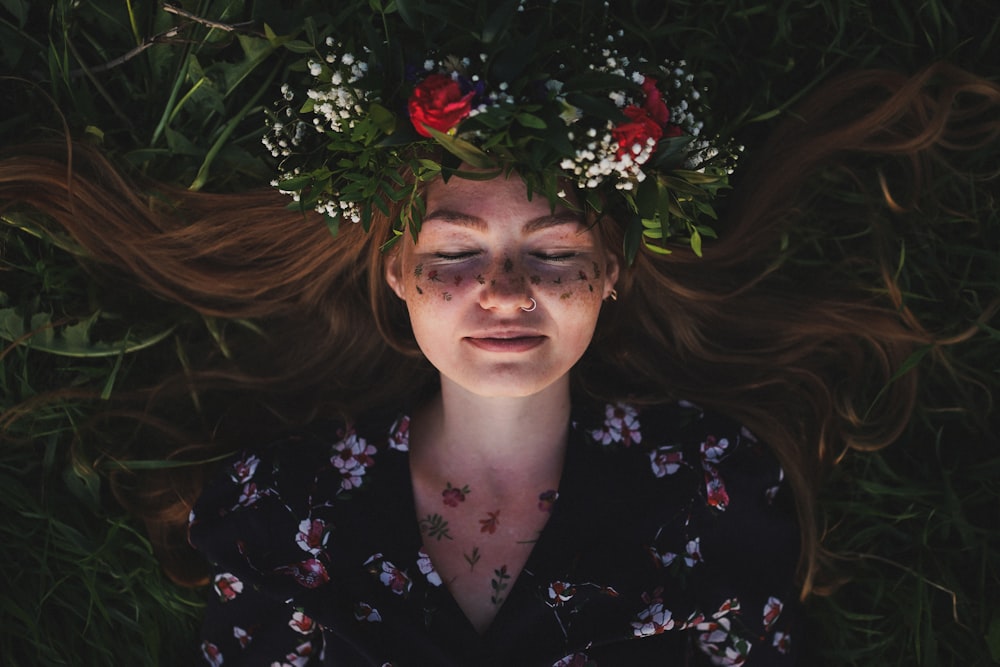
x=506 y=341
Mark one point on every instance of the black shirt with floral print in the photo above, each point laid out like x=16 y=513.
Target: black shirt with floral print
x=672 y=540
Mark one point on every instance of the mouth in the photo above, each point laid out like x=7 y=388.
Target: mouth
x=506 y=342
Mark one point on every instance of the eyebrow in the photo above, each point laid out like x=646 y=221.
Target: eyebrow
x=475 y=222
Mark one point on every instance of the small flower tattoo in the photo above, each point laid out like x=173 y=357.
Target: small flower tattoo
x=453 y=495
x=490 y=523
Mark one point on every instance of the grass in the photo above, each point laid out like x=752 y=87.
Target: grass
x=916 y=525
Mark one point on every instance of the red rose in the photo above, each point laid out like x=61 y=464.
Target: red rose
x=437 y=102
x=640 y=128
x=654 y=104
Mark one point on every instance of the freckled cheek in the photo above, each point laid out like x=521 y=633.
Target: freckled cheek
x=569 y=286
x=443 y=284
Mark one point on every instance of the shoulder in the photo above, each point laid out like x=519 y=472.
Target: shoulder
x=257 y=487
x=681 y=436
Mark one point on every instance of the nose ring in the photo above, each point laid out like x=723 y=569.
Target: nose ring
x=534 y=305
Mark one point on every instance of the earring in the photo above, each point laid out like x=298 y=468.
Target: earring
x=613 y=295
x=534 y=305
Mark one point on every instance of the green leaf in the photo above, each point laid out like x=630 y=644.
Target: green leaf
x=633 y=237
x=296 y=46
x=69 y=341
x=696 y=242
x=384 y=119
x=530 y=120
x=462 y=149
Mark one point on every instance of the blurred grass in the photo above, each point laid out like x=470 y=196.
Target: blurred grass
x=918 y=524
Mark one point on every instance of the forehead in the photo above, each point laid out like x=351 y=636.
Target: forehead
x=499 y=201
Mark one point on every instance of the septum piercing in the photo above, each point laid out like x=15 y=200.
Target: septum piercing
x=534 y=305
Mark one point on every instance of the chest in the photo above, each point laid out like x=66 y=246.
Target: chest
x=478 y=546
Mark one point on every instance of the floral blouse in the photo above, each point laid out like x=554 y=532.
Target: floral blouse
x=671 y=540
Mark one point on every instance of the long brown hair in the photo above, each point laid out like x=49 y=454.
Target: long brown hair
x=740 y=330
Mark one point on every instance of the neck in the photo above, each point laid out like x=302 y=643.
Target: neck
x=502 y=441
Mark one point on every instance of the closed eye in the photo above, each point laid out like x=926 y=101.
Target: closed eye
x=454 y=256
x=554 y=256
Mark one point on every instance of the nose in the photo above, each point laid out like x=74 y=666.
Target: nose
x=506 y=288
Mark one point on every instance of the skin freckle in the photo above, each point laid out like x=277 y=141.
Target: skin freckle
x=457 y=280
x=480 y=279
x=447 y=296
x=597 y=271
x=433 y=276
x=565 y=295
x=493 y=283
x=418 y=270
x=508 y=265
x=557 y=281
x=419 y=291
x=535 y=280
x=582 y=276
x=590 y=287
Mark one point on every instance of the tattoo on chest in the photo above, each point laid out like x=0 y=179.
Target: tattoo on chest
x=499 y=584
x=435 y=525
x=472 y=558
x=453 y=495
x=490 y=523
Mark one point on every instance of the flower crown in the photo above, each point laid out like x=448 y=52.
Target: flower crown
x=418 y=91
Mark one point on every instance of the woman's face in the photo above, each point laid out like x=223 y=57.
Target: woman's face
x=484 y=252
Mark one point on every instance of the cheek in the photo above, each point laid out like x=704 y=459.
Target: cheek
x=571 y=285
x=432 y=282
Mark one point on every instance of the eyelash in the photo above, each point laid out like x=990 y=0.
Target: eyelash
x=458 y=256
x=454 y=257
x=556 y=257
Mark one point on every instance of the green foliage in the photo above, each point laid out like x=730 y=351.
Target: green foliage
x=181 y=100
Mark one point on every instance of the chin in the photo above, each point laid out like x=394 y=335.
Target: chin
x=500 y=385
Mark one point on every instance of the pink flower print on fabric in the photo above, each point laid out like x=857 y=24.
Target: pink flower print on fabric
x=621 y=425
x=352 y=456
x=391 y=576
x=717 y=640
x=653 y=620
x=310 y=573
x=399 y=434
x=559 y=593
x=693 y=553
x=712 y=452
x=572 y=660
x=301 y=623
x=546 y=499
x=772 y=491
x=301 y=656
x=312 y=536
x=242 y=636
x=243 y=470
x=212 y=654
x=772 y=610
x=227 y=586
x=782 y=642
x=365 y=612
x=666 y=460
x=426 y=568
x=662 y=559
x=248 y=495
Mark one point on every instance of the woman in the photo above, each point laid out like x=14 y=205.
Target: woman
x=532 y=467
x=502 y=295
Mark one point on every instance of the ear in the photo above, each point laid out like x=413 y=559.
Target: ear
x=610 y=273
x=394 y=273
